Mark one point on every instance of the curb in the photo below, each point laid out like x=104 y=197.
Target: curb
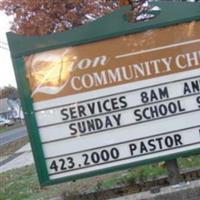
x=182 y=191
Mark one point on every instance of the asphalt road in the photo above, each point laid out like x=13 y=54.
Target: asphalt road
x=12 y=135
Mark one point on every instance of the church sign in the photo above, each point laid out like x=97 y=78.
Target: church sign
x=111 y=100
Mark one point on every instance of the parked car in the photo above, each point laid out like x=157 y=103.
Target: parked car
x=6 y=122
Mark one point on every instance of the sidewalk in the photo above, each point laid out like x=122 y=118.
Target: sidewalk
x=20 y=158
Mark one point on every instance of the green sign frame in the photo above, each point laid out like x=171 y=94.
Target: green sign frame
x=20 y=46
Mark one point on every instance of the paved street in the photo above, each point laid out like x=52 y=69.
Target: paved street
x=12 y=135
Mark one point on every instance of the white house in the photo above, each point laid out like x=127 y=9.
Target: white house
x=10 y=109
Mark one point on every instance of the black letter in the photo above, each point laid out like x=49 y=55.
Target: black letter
x=159 y=142
x=123 y=101
x=81 y=111
x=136 y=113
x=132 y=148
x=178 y=138
x=186 y=89
x=143 y=148
x=91 y=107
x=73 y=129
x=179 y=106
x=64 y=113
x=152 y=145
x=104 y=105
x=163 y=93
x=198 y=101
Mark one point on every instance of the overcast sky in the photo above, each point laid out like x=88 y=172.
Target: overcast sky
x=6 y=70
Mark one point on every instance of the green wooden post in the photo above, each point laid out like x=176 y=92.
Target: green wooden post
x=173 y=172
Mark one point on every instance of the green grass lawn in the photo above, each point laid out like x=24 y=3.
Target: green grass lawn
x=12 y=147
x=22 y=184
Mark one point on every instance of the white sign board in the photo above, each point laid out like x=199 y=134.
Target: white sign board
x=117 y=102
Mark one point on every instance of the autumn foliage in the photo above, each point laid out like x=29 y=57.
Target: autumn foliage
x=40 y=17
